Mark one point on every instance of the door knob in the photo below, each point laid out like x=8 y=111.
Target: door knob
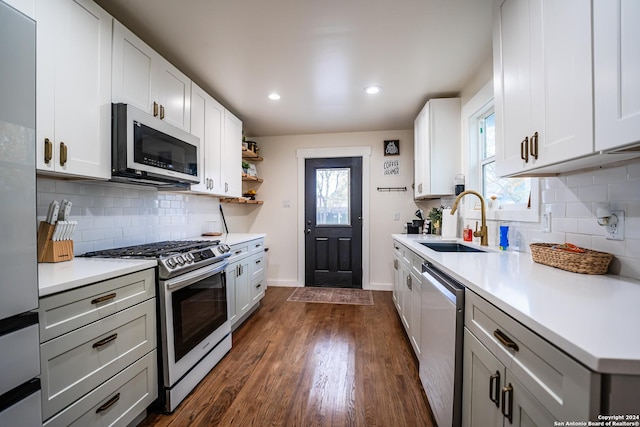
x=307 y=231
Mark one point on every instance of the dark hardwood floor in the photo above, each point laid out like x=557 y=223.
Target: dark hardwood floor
x=302 y=364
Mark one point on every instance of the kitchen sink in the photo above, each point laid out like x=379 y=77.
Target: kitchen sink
x=450 y=247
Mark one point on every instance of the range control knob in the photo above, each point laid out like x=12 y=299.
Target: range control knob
x=171 y=263
x=179 y=259
x=188 y=258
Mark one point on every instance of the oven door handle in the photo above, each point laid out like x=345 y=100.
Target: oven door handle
x=195 y=276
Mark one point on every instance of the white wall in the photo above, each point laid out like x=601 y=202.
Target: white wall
x=280 y=173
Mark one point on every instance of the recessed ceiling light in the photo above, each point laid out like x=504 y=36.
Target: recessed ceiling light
x=274 y=96
x=372 y=90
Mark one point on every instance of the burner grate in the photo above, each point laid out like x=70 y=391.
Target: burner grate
x=153 y=250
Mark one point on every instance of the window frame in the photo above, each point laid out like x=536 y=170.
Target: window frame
x=478 y=106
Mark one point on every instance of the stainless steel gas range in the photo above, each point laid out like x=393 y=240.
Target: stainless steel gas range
x=194 y=328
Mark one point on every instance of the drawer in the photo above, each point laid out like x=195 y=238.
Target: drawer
x=256 y=267
x=26 y=412
x=257 y=289
x=20 y=359
x=116 y=402
x=564 y=387
x=79 y=361
x=238 y=252
x=256 y=246
x=66 y=311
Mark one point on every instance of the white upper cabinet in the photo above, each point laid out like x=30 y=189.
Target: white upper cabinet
x=232 y=156
x=543 y=83
x=143 y=78
x=616 y=66
x=437 y=148
x=74 y=88
x=28 y=7
x=207 y=123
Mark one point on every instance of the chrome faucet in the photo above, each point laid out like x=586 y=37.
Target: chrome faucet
x=483 y=233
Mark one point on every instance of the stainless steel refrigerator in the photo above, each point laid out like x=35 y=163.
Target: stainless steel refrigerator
x=20 y=401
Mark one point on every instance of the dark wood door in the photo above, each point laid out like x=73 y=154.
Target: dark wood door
x=333 y=222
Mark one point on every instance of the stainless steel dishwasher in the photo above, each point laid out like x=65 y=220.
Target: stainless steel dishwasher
x=441 y=341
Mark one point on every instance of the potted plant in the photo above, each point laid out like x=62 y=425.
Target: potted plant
x=245 y=167
x=435 y=216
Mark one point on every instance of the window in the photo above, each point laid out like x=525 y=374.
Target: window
x=516 y=199
x=332 y=196
x=509 y=193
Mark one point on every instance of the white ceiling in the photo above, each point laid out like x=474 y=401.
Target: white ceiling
x=319 y=55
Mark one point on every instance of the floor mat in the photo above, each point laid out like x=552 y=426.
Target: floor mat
x=332 y=296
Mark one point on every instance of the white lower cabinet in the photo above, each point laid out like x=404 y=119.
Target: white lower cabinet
x=513 y=376
x=246 y=280
x=493 y=396
x=98 y=352
x=408 y=292
x=116 y=402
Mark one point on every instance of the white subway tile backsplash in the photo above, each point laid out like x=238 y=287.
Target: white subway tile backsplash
x=114 y=215
x=610 y=175
x=566 y=195
x=579 y=180
x=593 y=193
x=578 y=210
x=629 y=190
x=633 y=171
x=572 y=201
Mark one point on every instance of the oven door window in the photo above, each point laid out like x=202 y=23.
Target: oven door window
x=198 y=310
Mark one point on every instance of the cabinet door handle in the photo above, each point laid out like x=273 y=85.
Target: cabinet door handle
x=409 y=284
x=494 y=388
x=226 y=187
x=63 y=154
x=108 y=404
x=103 y=298
x=162 y=112
x=534 y=145
x=507 y=408
x=155 y=109
x=395 y=264
x=48 y=150
x=105 y=341
x=524 y=149
x=505 y=340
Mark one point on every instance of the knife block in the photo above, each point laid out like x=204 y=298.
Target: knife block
x=50 y=251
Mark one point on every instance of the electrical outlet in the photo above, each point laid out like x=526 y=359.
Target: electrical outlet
x=615 y=229
x=286 y=203
x=396 y=216
x=546 y=222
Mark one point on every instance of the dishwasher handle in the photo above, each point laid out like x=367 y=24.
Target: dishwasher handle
x=448 y=286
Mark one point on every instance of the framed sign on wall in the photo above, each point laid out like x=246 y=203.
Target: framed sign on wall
x=392 y=147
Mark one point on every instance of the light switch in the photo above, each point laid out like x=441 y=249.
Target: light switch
x=286 y=203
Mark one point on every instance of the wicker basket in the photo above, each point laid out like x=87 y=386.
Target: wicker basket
x=587 y=262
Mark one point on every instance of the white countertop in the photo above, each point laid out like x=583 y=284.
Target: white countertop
x=63 y=276
x=593 y=318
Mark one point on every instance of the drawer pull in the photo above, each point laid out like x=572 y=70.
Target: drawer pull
x=103 y=298
x=507 y=409
x=258 y=285
x=48 y=150
x=505 y=340
x=238 y=252
x=105 y=341
x=258 y=261
x=108 y=404
x=524 y=149
x=494 y=388
x=63 y=154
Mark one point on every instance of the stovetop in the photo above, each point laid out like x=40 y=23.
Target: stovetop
x=174 y=257
x=154 y=250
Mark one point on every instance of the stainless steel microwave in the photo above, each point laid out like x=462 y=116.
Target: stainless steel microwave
x=147 y=150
